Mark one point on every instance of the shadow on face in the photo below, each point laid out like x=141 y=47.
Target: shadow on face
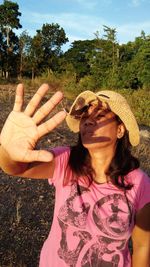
x=98 y=124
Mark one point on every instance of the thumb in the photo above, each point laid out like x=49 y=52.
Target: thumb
x=38 y=155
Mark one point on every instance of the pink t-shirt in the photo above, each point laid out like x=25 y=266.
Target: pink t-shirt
x=91 y=225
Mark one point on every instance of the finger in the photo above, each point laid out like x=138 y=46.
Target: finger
x=38 y=155
x=34 y=102
x=19 y=98
x=52 y=123
x=47 y=107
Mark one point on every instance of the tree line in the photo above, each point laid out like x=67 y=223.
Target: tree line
x=101 y=62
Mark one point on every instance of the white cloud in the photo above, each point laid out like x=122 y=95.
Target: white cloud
x=81 y=27
x=91 y=4
x=88 y=4
x=128 y=32
x=75 y=25
x=137 y=3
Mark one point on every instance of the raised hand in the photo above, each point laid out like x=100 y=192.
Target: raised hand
x=23 y=129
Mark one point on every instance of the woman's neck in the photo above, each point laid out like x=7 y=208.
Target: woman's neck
x=100 y=161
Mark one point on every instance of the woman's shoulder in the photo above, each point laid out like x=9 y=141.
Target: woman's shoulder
x=61 y=156
x=141 y=187
x=138 y=176
x=60 y=150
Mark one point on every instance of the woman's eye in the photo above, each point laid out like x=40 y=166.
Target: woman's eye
x=99 y=116
x=85 y=115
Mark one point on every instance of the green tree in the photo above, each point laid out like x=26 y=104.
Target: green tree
x=45 y=50
x=2 y=53
x=127 y=70
x=24 y=49
x=79 y=56
x=9 y=55
x=52 y=37
x=134 y=63
x=143 y=58
x=9 y=20
x=110 y=36
x=35 y=60
x=104 y=61
x=100 y=62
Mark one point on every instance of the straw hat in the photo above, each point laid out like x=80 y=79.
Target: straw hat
x=116 y=102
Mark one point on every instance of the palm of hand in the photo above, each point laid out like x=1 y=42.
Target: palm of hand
x=19 y=133
x=22 y=130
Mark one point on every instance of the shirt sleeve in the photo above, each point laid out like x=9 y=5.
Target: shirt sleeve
x=142 y=187
x=61 y=155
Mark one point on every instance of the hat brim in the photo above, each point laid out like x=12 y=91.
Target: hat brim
x=116 y=103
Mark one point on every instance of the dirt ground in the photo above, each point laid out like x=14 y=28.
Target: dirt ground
x=26 y=206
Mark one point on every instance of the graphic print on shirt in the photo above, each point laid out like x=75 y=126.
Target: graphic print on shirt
x=69 y=213
x=115 y=224
x=88 y=250
x=71 y=256
x=94 y=255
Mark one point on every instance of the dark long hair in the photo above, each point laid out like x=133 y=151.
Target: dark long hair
x=122 y=163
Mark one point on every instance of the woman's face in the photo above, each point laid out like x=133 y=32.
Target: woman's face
x=99 y=127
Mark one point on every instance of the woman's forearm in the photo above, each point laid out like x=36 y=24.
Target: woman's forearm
x=141 y=257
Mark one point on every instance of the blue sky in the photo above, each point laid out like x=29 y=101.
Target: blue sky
x=82 y=18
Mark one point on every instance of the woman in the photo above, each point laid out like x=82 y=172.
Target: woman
x=102 y=197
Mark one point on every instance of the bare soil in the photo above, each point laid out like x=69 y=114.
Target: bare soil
x=26 y=206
